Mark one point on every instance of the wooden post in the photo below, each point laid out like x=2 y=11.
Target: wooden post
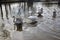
x=1 y=11
x=6 y=11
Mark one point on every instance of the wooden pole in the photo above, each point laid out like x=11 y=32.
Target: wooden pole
x=1 y=11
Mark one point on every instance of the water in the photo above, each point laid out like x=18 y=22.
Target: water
x=47 y=28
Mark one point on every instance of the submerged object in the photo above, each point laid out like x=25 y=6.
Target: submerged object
x=33 y=19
